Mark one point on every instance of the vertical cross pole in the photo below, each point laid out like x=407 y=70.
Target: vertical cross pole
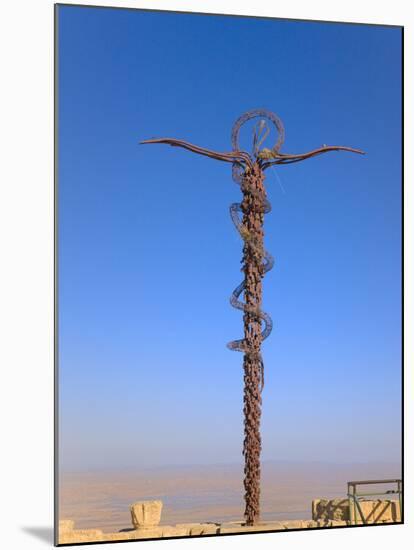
x=252 y=185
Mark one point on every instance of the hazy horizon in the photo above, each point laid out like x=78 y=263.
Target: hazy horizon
x=193 y=465
x=207 y=493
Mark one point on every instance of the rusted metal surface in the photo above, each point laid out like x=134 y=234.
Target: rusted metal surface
x=253 y=256
x=248 y=172
x=232 y=156
x=254 y=203
x=264 y=115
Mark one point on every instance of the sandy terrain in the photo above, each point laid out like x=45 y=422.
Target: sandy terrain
x=205 y=493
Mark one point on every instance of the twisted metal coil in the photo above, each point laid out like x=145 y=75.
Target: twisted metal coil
x=251 y=241
x=267 y=265
x=235 y=132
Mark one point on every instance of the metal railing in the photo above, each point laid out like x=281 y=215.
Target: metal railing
x=355 y=497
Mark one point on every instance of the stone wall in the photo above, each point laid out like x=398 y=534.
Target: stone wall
x=70 y=536
x=146 y=517
x=338 y=509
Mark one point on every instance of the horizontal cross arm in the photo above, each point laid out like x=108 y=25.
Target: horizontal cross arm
x=281 y=158
x=233 y=156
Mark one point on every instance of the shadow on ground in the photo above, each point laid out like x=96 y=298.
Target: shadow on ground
x=42 y=533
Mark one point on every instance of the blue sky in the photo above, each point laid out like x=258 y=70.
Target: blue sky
x=148 y=255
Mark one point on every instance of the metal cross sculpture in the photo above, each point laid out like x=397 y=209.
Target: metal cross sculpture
x=248 y=172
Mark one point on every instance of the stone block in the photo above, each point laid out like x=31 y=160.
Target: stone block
x=294 y=524
x=203 y=529
x=374 y=511
x=81 y=535
x=136 y=534
x=323 y=523
x=377 y=511
x=240 y=527
x=337 y=523
x=174 y=531
x=315 y=508
x=336 y=509
x=312 y=524
x=146 y=514
x=129 y=534
x=66 y=525
x=396 y=512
